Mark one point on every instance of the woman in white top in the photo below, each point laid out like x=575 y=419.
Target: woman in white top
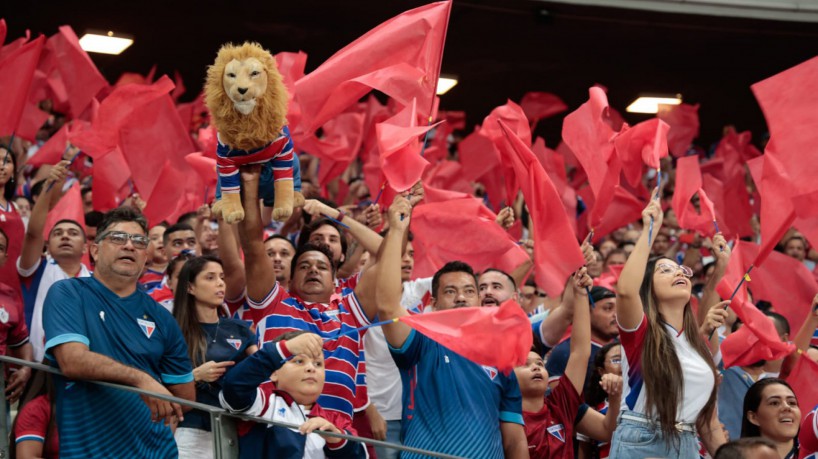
x=669 y=376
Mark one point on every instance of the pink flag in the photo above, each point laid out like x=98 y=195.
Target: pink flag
x=556 y=250
x=643 y=144
x=496 y=337
x=16 y=74
x=400 y=146
x=684 y=126
x=400 y=58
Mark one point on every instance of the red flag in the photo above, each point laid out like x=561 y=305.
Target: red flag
x=339 y=146
x=556 y=250
x=806 y=223
x=588 y=134
x=643 y=144
x=706 y=205
x=400 y=58
x=206 y=168
x=3 y=31
x=111 y=180
x=610 y=278
x=115 y=111
x=513 y=117
x=554 y=165
x=497 y=337
x=291 y=66
x=688 y=183
x=400 y=148
x=479 y=241
x=539 y=105
x=69 y=207
x=51 y=152
x=777 y=211
x=180 y=89
x=757 y=339
x=16 y=74
x=169 y=200
x=624 y=208
x=684 y=126
x=432 y=194
x=802 y=379
x=478 y=155
x=76 y=71
x=447 y=175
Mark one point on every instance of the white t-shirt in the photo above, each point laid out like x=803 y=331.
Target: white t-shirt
x=698 y=377
x=383 y=382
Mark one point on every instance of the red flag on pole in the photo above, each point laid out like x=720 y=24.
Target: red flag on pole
x=802 y=378
x=51 y=152
x=643 y=144
x=78 y=74
x=556 y=250
x=110 y=183
x=539 y=105
x=400 y=58
x=684 y=126
x=400 y=146
x=777 y=211
x=16 y=75
x=69 y=207
x=688 y=183
x=498 y=337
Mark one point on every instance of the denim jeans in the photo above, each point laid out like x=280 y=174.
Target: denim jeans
x=638 y=440
x=392 y=436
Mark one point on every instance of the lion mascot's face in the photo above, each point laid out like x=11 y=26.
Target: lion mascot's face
x=244 y=82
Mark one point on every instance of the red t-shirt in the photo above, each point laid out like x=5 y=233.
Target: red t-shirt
x=808 y=436
x=32 y=423
x=12 y=224
x=13 y=331
x=550 y=431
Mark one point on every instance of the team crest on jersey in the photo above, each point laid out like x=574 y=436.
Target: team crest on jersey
x=235 y=343
x=558 y=431
x=4 y=315
x=147 y=327
x=491 y=371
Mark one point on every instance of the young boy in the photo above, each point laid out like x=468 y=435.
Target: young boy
x=549 y=421
x=296 y=361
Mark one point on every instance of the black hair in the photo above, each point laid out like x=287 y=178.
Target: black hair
x=9 y=188
x=122 y=214
x=283 y=238
x=36 y=188
x=310 y=247
x=306 y=232
x=451 y=267
x=752 y=400
x=73 y=222
x=742 y=448
x=85 y=190
x=173 y=229
x=508 y=276
x=185 y=216
x=781 y=322
x=183 y=256
x=93 y=218
x=594 y=394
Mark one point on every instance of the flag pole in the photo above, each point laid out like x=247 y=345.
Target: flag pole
x=745 y=277
x=658 y=195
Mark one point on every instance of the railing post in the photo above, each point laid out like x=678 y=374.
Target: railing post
x=4 y=415
x=225 y=436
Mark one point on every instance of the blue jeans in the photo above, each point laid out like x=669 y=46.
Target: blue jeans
x=392 y=436
x=638 y=440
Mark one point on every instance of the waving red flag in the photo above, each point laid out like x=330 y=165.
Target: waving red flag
x=447 y=175
x=643 y=144
x=205 y=167
x=400 y=58
x=802 y=379
x=111 y=184
x=399 y=145
x=777 y=211
x=706 y=205
x=806 y=223
x=78 y=74
x=556 y=250
x=757 y=339
x=478 y=241
x=478 y=155
x=16 y=74
x=539 y=105
x=169 y=200
x=688 y=183
x=115 y=112
x=497 y=337
x=3 y=31
x=69 y=207
x=51 y=152
x=684 y=126
x=588 y=134
x=624 y=208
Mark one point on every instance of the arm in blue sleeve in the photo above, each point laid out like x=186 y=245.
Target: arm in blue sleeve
x=240 y=383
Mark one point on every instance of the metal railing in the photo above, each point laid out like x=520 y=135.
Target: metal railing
x=223 y=422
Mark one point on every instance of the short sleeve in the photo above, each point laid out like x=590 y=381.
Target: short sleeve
x=558 y=360
x=408 y=355
x=175 y=367
x=25 y=273
x=564 y=401
x=32 y=421
x=63 y=318
x=350 y=300
x=511 y=405
x=18 y=335
x=632 y=340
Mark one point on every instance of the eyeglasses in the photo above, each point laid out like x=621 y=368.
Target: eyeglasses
x=667 y=268
x=121 y=238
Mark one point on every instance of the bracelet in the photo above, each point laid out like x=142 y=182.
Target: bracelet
x=341 y=215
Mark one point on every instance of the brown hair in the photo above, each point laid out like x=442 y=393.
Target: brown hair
x=662 y=371
x=184 y=309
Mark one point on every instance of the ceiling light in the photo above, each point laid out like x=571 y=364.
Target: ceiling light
x=105 y=42
x=650 y=104
x=445 y=83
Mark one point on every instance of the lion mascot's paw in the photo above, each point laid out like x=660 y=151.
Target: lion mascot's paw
x=230 y=208
x=298 y=199
x=284 y=198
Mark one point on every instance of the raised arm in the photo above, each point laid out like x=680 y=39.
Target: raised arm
x=596 y=425
x=388 y=287
x=52 y=192
x=368 y=239
x=629 y=311
x=257 y=266
x=709 y=295
x=229 y=252
x=577 y=364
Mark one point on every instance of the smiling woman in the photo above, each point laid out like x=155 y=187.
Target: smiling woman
x=771 y=411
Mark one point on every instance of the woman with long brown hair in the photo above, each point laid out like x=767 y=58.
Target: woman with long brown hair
x=669 y=375
x=215 y=343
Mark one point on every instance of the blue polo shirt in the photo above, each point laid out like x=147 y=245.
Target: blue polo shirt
x=451 y=404
x=96 y=421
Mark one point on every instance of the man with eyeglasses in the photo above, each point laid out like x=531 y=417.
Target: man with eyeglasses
x=103 y=328
x=62 y=260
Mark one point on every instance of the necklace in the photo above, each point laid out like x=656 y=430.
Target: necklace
x=218 y=324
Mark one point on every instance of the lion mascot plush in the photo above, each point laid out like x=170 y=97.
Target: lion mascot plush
x=248 y=105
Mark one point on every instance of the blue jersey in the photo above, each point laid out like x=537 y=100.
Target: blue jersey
x=96 y=421
x=453 y=405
